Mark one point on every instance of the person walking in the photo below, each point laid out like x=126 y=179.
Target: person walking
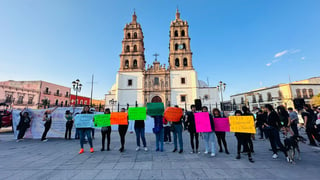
x=47 y=125
x=273 y=126
x=69 y=124
x=310 y=125
x=159 y=132
x=293 y=121
x=190 y=121
x=122 y=129
x=243 y=139
x=24 y=124
x=139 y=128
x=85 y=132
x=284 y=120
x=209 y=137
x=221 y=136
x=106 y=131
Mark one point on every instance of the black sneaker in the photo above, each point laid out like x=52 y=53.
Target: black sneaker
x=181 y=151
x=102 y=149
x=227 y=152
x=251 y=160
x=175 y=150
x=238 y=156
x=220 y=150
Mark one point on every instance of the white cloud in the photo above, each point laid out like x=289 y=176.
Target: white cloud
x=269 y=64
x=303 y=58
x=275 y=60
x=279 y=54
x=294 y=51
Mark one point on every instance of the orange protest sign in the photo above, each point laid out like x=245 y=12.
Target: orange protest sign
x=120 y=118
x=173 y=114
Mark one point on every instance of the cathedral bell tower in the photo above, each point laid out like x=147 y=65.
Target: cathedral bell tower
x=180 y=55
x=132 y=54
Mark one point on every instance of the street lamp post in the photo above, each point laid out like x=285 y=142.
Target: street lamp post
x=112 y=102
x=221 y=87
x=76 y=87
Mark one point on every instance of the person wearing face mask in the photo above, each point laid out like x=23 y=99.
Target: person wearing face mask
x=209 y=137
x=47 y=118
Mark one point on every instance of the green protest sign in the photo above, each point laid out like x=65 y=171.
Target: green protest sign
x=137 y=113
x=155 y=109
x=102 y=120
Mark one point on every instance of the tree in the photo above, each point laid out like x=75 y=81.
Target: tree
x=315 y=101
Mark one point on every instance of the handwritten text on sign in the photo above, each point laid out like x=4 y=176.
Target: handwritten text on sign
x=244 y=124
x=83 y=120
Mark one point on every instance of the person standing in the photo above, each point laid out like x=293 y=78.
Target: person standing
x=85 y=132
x=273 y=126
x=176 y=128
x=106 y=131
x=310 y=125
x=318 y=118
x=69 y=124
x=167 y=132
x=261 y=119
x=122 y=129
x=23 y=125
x=192 y=129
x=242 y=139
x=209 y=137
x=284 y=119
x=47 y=125
x=293 y=121
x=139 y=128
x=246 y=112
x=159 y=132
x=221 y=136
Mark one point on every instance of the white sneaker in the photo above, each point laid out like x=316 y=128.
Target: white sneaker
x=275 y=156
x=145 y=149
x=288 y=159
x=138 y=148
x=45 y=140
x=18 y=140
x=206 y=152
x=213 y=154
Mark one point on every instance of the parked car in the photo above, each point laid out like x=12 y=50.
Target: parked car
x=5 y=116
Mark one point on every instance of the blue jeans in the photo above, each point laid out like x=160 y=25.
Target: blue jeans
x=140 y=132
x=177 y=134
x=159 y=139
x=85 y=132
x=210 y=137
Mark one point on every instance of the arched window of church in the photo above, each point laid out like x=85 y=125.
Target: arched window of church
x=135 y=63
x=128 y=36
x=176 y=47
x=185 y=62
x=135 y=48
x=126 y=64
x=182 y=33
x=184 y=46
x=135 y=36
x=177 y=63
x=128 y=48
x=175 y=33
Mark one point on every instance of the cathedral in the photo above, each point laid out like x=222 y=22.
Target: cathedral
x=177 y=84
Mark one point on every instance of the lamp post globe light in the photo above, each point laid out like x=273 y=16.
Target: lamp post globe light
x=221 y=88
x=77 y=88
x=112 y=102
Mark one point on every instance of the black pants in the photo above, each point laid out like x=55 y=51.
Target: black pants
x=122 y=132
x=275 y=141
x=194 y=135
x=243 y=139
x=167 y=134
x=311 y=131
x=250 y=145
x=22 y=131
x=221 y=136
x=92 y=131
x=69 y=125
x=294 y=128
x=104 y=132
x=47 y=127
x=261 y=132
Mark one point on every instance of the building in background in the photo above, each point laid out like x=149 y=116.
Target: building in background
x=33 y=94
x=98 y=104
x=81 y=100
x=290 y=95
x=176 y=84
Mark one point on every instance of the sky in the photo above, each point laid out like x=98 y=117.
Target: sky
x=247 y=44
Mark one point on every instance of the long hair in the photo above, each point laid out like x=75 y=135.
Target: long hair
x=214 y=110
x=269 y=106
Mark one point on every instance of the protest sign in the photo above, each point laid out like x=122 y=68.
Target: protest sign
x=137 y=113
x=102 y=120
x=202 y=121
x=83 y=120
x=243 y=124
x=155 y=109
x=221 y=124
x=120 y=118
x=173 y=114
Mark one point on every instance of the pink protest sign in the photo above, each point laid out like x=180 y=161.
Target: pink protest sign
x=202 y=121
x=221 y=124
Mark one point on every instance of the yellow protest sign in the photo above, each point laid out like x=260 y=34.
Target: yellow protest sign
x=242 y=124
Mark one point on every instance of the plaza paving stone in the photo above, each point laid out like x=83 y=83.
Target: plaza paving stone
x=59 y=159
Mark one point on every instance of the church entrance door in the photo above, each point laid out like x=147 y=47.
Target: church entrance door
x=156 y=99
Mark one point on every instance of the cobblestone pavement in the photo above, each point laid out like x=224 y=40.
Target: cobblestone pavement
x=59 y=159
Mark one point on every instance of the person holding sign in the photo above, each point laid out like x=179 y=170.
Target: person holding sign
x=47 y=125
x=242 y=139
x=122 y=129
x=209 y=136
x=159 y=132
x=177 y=134
x=272 y=126
x=221 y=136
x=140 y=132
x=106 y=130
x=69 y=124
x=85 y=132
x=192 y=129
